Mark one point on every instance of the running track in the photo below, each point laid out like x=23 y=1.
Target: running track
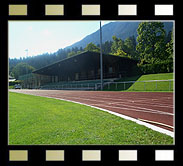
x=151 y=106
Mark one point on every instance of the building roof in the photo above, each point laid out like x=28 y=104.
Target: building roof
x=79 y=62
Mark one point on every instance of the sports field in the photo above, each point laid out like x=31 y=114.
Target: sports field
x=39 y=120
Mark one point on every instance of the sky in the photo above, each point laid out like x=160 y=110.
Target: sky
x=46 y=36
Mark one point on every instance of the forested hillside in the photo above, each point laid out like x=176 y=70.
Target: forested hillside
x=121 y=30
x=148 y=42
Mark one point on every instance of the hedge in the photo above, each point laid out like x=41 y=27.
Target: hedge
x=14 y=82
x=161 y=67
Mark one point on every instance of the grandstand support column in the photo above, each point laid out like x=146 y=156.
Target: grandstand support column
x=56 y=78
x=34 y=82
x=52 y=79
x=39 y=80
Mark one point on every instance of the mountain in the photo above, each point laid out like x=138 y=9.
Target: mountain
x=120 y=29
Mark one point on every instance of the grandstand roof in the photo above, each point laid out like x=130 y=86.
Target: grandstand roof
x=79 y=62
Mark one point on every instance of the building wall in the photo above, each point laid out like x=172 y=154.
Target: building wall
x=36 y=81
x=85 y=66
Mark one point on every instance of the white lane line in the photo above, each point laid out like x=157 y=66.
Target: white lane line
x=136 y=110
x=155 y=111
x=127 y=97
x=126 y=100
x=149 y=104
x=81 y=97
x=161 y=112
x=140 y=108
x=112 y=98
x=155 y=122
x=155 y=128
x=119 y=98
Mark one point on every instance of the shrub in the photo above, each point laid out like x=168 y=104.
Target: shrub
x=158 y=67
x=14 y=82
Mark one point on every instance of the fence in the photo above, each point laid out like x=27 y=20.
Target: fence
x=150 y=85
x=81 y=86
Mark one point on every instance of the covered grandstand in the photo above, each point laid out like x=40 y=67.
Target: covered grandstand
x=81 y=71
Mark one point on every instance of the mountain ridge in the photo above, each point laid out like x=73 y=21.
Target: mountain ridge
x=121 y=30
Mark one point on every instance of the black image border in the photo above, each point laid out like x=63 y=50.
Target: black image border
x=73 y=153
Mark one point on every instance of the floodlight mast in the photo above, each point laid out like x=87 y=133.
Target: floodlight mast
x=26 y=67
x=101 y=58
x=26 y=57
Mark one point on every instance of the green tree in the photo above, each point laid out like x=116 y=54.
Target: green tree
x=116 y=45
x=130 y=46
x=70 y=54
x=168 y=37
x=22 y=69
x=92 y=47
x=151 y=41
x=106 y=47
x=120 y=53
x=169 y=48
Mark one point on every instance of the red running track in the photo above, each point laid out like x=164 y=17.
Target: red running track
x=151 y=106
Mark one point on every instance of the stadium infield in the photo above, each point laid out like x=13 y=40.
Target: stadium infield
x=155 y=108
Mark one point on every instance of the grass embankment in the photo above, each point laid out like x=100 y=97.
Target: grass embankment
x=38 y=120
x=166 y=86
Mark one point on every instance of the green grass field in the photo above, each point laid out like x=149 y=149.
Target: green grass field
x=165 y=86
x=37 y=120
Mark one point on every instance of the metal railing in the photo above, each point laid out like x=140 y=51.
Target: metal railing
x=149 y=85
x=81 y=86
